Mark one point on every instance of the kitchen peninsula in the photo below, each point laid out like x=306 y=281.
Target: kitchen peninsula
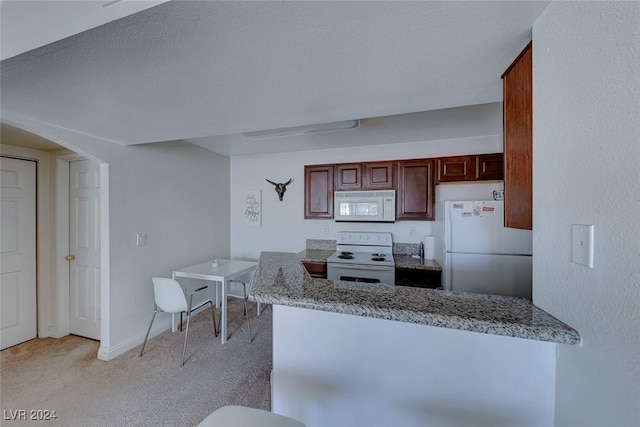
x=352 y=354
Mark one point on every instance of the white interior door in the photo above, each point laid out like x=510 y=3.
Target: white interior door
x=84 y=244
x=18 y=287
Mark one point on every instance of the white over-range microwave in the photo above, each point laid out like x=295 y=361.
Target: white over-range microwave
x=371 y=206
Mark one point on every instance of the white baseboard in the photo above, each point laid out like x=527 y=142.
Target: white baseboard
x=111 y=352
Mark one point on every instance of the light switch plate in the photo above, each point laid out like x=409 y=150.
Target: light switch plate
x=141 y=239
x=582 y=244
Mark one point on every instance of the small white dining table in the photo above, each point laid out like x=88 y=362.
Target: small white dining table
x=226 y=270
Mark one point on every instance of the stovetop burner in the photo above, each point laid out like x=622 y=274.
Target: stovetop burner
x=374 y=249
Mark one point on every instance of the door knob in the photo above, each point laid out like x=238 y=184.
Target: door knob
x=70 y=257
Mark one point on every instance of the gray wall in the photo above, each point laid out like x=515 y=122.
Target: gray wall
x=586 y=63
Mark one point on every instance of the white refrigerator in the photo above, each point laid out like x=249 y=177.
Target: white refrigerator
x=478 y=254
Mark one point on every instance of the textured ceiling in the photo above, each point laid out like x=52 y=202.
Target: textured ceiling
x=191 y=70
x=14 y=136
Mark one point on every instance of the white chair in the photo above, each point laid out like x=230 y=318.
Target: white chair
x=170 y=298
x=242 y=292
x=241 y=416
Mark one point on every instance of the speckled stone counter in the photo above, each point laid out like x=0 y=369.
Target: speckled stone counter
x=282 y=280
x=406 y=261
x=315 y=255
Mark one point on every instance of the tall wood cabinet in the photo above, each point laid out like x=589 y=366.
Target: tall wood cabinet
x=518 y=142
x=318 y=191
x=415 y=199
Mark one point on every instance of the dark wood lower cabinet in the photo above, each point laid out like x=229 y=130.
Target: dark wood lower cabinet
x=316 y=269
x=418 y=278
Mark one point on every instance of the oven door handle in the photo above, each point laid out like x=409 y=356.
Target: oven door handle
x=361 y=267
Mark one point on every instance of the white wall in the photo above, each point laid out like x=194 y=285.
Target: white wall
x=334 y=369
x=176 y=193
x=283 y=225
x=586 y=155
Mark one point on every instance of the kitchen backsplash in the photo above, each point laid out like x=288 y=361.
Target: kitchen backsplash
x=406 y=248
x=322 y=245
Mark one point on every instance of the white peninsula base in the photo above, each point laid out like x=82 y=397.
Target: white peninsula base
x=332 y=369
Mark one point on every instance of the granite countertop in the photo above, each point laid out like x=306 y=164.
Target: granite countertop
x=315 y=255
x=401 y=261
x=281 y=279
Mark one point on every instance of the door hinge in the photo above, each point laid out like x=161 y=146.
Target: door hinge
x=70 y=257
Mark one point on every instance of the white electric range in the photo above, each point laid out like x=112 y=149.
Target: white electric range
x=362 y=257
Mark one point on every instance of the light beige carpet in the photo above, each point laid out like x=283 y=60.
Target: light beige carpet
x=153 y=390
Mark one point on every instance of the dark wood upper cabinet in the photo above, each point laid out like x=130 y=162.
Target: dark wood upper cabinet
x=490 y=167
x=459 y=168
x=481 y=167
x=416 y=188
x=378 y=176
x=349 y=176
x=518 y=142
x=318 y=191
x=364 y=176
x=414 y=181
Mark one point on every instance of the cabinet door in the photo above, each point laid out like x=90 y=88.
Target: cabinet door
x=459 y=168
x=416 y=190
x=518 y=142
x=316 y=269
x=349 y=176
x=318 y=191
x=378 y=176
x=490 y=167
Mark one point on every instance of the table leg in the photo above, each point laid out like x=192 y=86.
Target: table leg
x=223 y=317
x=174 y=326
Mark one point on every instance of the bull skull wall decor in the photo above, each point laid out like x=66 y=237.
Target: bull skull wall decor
x=280 y=187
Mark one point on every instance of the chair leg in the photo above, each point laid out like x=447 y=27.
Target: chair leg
x=155 y=310
x=213 y=316
x=246 y=312
x=186 y=334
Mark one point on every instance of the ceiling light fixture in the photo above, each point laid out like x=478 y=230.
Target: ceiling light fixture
x=304 y=130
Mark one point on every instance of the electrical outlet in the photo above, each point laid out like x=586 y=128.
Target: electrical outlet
x=582 y=244
x=412 y=231
x=326 y=229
